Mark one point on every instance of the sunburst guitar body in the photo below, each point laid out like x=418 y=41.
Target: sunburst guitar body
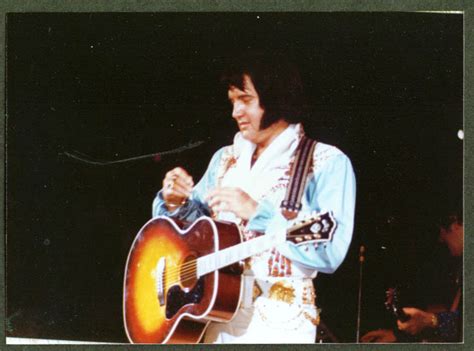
x=164 y=300
x=178 y=280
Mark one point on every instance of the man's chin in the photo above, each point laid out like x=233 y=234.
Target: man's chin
x=247 y=135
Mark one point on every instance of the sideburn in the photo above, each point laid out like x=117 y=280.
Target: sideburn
x=267 y=120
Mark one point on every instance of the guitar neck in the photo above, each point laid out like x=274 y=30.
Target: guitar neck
x=215 y=261
x=319 y=228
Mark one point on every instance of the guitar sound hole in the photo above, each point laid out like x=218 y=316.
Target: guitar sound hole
x=187 y=274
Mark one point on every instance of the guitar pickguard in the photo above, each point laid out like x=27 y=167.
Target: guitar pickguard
x=177 y=297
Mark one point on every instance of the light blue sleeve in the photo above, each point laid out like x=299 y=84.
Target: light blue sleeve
x=333 y=188
x=195 y=206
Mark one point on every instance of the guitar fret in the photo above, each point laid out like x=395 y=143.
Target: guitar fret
x=321 y=229
x=209 y=263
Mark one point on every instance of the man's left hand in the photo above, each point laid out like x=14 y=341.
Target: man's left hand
x=235 y=200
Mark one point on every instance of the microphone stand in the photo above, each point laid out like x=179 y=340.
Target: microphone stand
x=361 y=265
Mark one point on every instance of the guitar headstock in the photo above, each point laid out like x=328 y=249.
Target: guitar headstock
x=392 y=304
x=317 y=228
x=391 y=300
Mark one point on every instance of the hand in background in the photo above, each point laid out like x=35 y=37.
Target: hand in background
x=379 y=336
x=419 y=320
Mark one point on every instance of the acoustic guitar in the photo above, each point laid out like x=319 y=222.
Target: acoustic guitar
x=178 y=280
x=393 y=305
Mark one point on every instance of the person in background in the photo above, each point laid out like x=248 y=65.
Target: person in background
x=437 y=322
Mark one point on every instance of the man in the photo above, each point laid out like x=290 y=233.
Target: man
x=437 y=322
x=246 y=183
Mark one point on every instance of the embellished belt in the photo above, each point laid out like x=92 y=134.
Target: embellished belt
x=289 y=290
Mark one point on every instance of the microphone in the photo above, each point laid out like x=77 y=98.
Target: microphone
x=157 y=156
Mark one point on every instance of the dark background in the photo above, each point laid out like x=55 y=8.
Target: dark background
x=386 y=88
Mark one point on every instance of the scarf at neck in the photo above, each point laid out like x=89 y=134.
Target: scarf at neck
x=271 y=165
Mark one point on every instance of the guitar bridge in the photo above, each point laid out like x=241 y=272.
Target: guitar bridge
x=159 y=273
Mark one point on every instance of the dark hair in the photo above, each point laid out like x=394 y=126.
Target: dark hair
x=277 y=82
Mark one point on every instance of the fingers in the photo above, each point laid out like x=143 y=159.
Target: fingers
x=375 y=335
x=369 y=337
x=379 y=336
x=179 y=179
x=220 y=195
x=177 y=189
x=177 y=185
x=401 y=325
x=407 y=327
x=225 y=199
x=410 y=311
x=218 y=202
x=225 y=193
x=233 y=200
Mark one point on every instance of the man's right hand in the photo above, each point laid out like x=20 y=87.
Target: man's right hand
x=419 y=321
x=177 y=187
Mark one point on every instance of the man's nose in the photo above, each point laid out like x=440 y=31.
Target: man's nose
x=237 y=110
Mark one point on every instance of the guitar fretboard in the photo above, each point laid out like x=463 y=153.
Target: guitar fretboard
x=212 y=262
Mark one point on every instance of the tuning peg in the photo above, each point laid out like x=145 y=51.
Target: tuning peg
x=298 y=239
x=307 y=237
x=316 y=236
x=315 y=228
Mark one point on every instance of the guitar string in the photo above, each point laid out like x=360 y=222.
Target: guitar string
x=177 y=274
x=176 y=277
x=190 y=268
x=182 y=279
x=184 y=272
x=187 y=266
x=187 y=273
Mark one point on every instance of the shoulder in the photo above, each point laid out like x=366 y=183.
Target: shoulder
x=225 y=152
x=325 y=155
x=222 y=156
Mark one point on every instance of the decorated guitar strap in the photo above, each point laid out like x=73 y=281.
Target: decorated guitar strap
x=291 y=204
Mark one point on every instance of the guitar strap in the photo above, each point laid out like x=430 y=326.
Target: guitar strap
x=291 y=204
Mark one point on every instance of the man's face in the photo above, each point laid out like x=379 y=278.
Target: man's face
x=453 y=237
x=247 y=110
